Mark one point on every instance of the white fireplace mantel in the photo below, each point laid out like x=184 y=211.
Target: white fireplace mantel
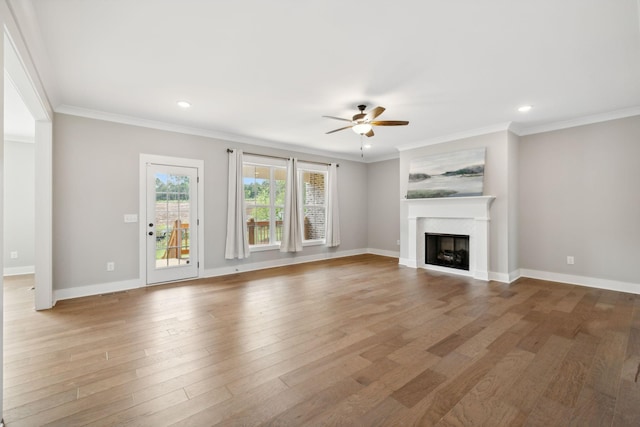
x=452 y=215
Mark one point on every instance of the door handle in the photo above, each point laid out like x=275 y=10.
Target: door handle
x=151 y=233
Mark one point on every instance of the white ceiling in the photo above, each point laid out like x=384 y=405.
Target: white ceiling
x=266 y=71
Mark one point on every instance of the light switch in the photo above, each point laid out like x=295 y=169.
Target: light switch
x=130 y=217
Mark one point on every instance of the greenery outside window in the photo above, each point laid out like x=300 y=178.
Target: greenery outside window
x=264 y=192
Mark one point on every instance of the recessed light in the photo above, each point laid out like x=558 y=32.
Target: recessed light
x=525 y=108
x=183 y=104
x=367 y=145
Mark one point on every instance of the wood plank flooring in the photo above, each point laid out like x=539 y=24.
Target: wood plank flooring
x=357 y=341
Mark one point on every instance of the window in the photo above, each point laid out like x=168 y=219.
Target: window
x=314 y=202
x=264 y=188
x=264 y=181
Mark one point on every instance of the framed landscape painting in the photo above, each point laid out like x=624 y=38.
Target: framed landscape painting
x=456 y=174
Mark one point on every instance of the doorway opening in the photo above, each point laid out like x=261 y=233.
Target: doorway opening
x=19 y=184
x=17 y=79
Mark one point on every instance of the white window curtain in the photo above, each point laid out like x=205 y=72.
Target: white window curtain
x=333 y=215
x=291 y=224
x=237 y=237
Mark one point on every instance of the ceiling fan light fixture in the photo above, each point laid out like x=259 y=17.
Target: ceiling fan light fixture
x=362 y=128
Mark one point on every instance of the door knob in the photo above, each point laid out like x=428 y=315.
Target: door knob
x=151 y=233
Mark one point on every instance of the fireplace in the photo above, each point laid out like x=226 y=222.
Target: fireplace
x=467 y=216
x=447 y=250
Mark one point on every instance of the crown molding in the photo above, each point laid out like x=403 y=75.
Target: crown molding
x=374 y=159
x=516 y=128
x=457 y=136
x=187 y=130
x=580 y=121
x=27 y=58
x=522 y=130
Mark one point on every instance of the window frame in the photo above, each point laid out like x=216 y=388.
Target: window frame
x=314 y=168
x=272 y=164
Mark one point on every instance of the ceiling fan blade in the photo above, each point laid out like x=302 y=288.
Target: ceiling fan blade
x=374 y=113
x=370 y=133
x=336 y=130
x=337 y=118
x=390 y=123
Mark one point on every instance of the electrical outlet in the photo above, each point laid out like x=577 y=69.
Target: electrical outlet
x=570 y=260
x=111 y=266
x=14 y=255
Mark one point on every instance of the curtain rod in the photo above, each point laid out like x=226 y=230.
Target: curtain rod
x=230 y=150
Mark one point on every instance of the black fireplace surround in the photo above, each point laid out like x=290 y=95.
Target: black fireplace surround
x=447 y=250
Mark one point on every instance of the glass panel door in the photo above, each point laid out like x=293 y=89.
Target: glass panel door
x=171 y=223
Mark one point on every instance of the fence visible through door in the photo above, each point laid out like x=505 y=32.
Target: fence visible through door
x=172 y=221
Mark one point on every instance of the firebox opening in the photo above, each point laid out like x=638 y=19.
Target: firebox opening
x=447 y=250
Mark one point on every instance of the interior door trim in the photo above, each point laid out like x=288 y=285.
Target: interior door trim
x=142 y=209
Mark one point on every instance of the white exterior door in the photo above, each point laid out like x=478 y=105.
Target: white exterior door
x=171 y=223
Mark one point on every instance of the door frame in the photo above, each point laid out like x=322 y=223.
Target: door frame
x=142 y=211
x=20 y=70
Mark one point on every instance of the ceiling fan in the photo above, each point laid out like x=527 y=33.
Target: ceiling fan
x=362 y=123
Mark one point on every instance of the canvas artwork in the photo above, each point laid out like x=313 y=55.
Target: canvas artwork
x=455 y=174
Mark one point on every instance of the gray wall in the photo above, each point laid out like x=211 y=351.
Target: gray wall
x=96 y=182
x=19 y=200
x=567 y=192
x=579 y=196
x=496 y=183
x=383 y=188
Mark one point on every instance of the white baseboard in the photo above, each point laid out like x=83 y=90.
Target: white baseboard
x=504 y=277
x=99 y=289
x=16 y=271
x=224 y=271
x=126 y=285
x=514 y=275
x=407 y=262
x=498 y=277
x=591 y=282
x=382 y=252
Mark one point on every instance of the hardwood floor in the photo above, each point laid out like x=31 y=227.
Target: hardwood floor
x=352 y=341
